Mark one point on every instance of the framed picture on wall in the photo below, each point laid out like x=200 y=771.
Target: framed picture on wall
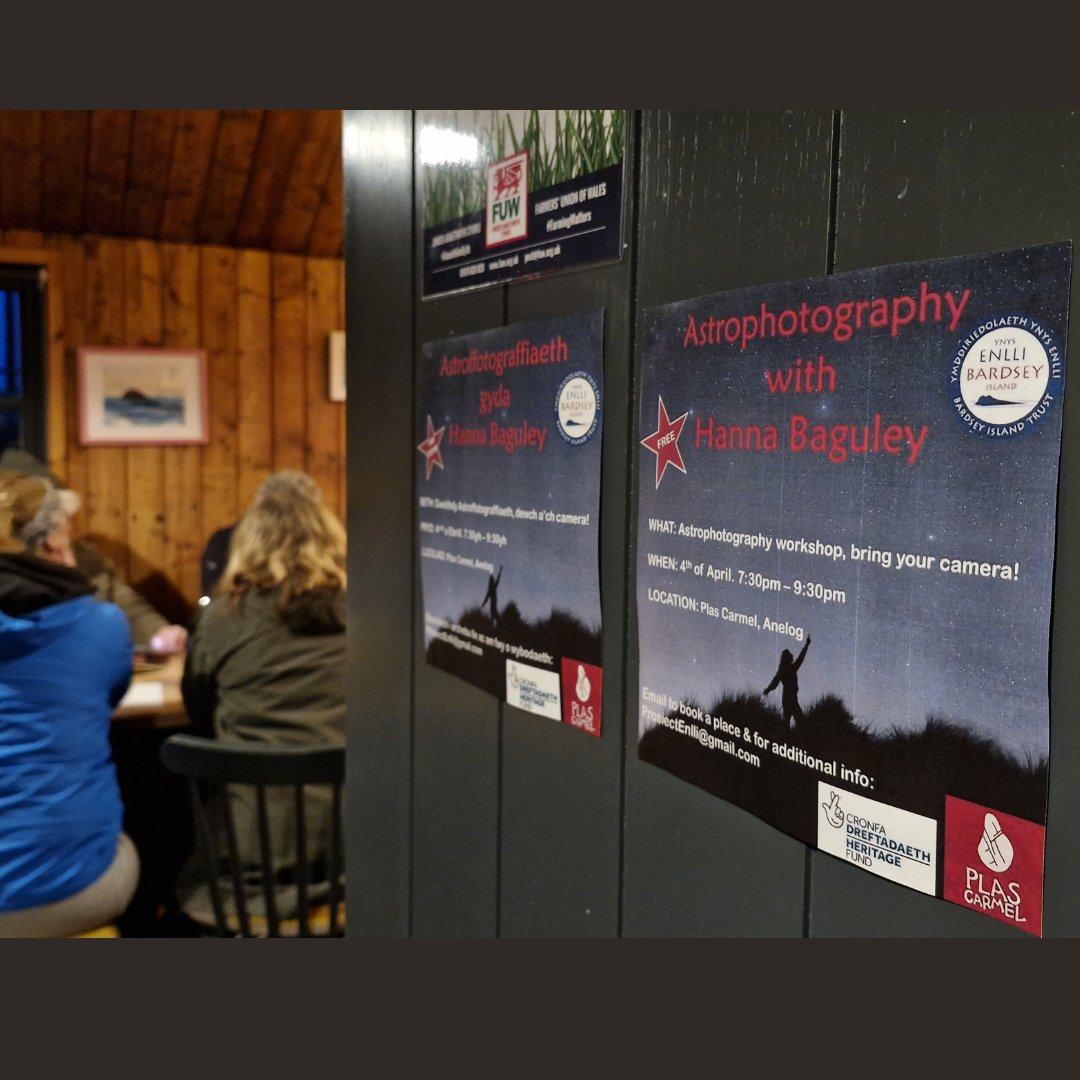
x=142 y=397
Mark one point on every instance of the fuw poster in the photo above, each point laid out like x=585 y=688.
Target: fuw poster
x=514 y=194
x=508 y=482
x=845 y=553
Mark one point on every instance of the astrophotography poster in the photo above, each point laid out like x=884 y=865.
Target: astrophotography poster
x=508 y=483
x=513 y=194
x=846 y=530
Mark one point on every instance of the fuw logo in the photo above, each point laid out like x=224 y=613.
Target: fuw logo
x=507 y=200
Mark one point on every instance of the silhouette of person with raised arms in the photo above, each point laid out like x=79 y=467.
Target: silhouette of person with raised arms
x=787 y=677
x=492 y=596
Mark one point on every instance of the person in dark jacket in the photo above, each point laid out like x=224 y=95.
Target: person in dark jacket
x=65 y=662
x=266 y=657
x=149 y=628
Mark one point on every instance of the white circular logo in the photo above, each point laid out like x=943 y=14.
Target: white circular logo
x=577 y=407
x=1003 y=379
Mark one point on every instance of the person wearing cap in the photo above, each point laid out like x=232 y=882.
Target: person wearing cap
x=150 y=630
x=66 y=865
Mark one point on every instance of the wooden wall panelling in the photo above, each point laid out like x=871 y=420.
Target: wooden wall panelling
x=59 y=398
x=20 y=168
x=218 y=293
x=71 y=464
x=189 y=172
x=291 y=228
x=328 y=229
x=105 y=494
x=237 y=136
x=181 y=328
x=727 y=199
x=106 y=170
x=324 y=417
x=65 y=140
x=152 y=508
x=925 y=185
x=289 y=285
x=146 y=492
x=152 y=141
x=255 y=453
x=280 y=137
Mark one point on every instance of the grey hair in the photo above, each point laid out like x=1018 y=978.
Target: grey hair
x=289 y=483
x=50 y=516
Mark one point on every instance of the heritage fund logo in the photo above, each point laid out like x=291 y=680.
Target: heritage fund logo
x=577 y=408
x=1005 y=376
x=994 y=863
x=581 y=684
x=533 y=689
x=886 y=840
x=506 y=206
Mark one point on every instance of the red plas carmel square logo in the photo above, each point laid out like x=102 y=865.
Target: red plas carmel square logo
x=581 y=685
x=994 y=863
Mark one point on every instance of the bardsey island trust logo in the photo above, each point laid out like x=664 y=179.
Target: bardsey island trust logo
x=1005 y=376
x=577 y=408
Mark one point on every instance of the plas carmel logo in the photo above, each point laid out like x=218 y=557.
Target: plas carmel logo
x=994 y=863
x=581 y=684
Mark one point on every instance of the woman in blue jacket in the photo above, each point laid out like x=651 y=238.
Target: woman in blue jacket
x=65 y=662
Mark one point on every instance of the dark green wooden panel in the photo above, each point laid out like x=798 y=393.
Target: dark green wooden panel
x=562 y=788
x=727 y=200
x=456 y=753
x=928 y=185
x=379 y=282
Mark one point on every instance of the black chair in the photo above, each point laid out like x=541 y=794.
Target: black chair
x=209 y=765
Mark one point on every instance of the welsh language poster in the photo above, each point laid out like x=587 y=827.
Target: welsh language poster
x=848 y=492
x=508 y=482
x=514 y=194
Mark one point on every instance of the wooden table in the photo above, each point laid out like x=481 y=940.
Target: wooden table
x=154 y=699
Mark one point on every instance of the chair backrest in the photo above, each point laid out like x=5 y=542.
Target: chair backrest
x=209 y=765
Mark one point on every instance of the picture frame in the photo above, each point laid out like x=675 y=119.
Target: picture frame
x=142 y=396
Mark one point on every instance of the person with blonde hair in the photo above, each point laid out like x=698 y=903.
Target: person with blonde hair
x=266 y=656
x=66 y=864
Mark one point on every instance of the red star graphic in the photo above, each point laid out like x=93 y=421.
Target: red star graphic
x=664 y=442
x=430 y=448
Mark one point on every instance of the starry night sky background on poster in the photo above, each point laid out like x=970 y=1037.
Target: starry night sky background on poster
x=908 y=643
x=545 y=565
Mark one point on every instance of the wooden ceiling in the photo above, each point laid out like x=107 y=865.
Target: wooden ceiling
x=267 y=179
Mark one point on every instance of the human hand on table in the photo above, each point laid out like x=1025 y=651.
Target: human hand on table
x=169 y=640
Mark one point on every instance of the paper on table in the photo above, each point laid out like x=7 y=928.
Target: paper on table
x=144 y=693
